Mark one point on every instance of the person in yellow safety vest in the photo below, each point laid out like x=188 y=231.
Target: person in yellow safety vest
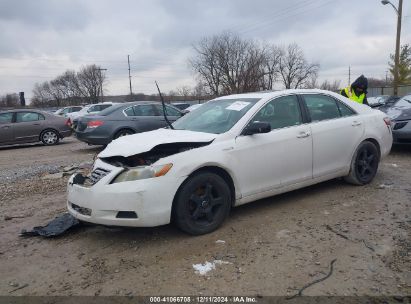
x=357 y=91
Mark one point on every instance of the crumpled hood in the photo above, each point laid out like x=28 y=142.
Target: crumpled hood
x=143 y=142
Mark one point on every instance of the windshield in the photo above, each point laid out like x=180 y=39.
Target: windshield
x=404 y=102
x=216 y=116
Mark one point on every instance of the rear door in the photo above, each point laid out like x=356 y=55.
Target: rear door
x=146 y=118
x=6 y=127
x=336 y=131
x=281 y=157
x=28 y=126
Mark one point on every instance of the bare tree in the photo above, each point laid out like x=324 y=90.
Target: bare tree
x=90 y=82
x=9 y=100
x=70 y=88
x=273 y=55
x=227 y=64
x=331 y=86
x=294 y=69
x=185 y=92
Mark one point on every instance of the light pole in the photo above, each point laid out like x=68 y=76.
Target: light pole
x=397 y=42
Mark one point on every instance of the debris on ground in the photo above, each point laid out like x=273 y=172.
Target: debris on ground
x=300 y=291
x=8 y=218
x=54 y=228
x=53 y=175
x=203 y=269
x=220 y=242
x=18 y=288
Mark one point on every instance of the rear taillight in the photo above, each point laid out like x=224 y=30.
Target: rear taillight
x=95 y=123
x=68 y=122
x=387 y=121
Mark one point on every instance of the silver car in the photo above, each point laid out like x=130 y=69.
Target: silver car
x=28 y=125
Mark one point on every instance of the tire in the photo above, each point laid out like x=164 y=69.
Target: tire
x=364 y=164
x=202 y=203
x=50 y=137
x=123 y=132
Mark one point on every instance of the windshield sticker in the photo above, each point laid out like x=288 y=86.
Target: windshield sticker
x=237 y=106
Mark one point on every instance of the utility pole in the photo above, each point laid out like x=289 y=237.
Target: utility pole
x=349 y=75
x=397 y=48
x=101 y=86
x=129 y=75
x=397 y=41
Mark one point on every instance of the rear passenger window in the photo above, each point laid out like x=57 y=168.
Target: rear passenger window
x=28 y=116
x=102 y=107
x=6 y=118
x=129 y=111
x=321 y=107
x=144 y=110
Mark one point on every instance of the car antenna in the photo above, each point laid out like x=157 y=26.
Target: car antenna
x=164 y=108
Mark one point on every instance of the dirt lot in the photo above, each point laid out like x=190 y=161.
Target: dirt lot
x=271 y=247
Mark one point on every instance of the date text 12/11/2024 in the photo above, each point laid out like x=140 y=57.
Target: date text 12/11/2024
x=203 y=299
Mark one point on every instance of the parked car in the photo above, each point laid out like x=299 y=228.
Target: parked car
x=381 y=100
x=181 y=105
x=27 y=125
x=88 y=110
x=231 y=151
x=67 y=110
x=400 y=114
x=123 y=119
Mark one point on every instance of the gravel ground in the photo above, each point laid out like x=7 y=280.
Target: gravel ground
x=274 y=246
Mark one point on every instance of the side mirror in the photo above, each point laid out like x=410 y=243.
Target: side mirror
x=257 y=127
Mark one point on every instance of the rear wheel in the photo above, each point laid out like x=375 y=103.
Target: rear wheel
x=49 y=137
x=364 y=164
x=202 y=203
x=123 y=132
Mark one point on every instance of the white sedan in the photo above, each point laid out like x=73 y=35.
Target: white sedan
x=230 y=151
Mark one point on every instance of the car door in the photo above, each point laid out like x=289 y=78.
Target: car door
x=28 y=126
x=336 y=131
x=279 y=158
x=172 y=114
x=6 y=127
x=146 y=118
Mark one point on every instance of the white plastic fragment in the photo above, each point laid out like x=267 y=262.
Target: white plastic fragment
x=203 y=269
x=220 y=242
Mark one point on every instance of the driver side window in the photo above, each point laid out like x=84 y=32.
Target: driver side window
x=281 y=112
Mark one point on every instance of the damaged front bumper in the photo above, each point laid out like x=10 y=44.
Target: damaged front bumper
x=141 y=203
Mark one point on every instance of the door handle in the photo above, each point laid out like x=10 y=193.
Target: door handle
x=303 y=135
x=356 y=123
x=36 y=124
x=6 y=127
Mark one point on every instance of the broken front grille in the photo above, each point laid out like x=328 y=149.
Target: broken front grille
x=97 y=175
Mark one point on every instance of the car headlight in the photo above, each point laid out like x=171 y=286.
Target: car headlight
x=142 y=172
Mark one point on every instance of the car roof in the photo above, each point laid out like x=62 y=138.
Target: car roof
x=23 y=110
x=270 y=94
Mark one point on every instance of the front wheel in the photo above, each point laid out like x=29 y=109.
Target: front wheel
x=202 y=203
x=50 y=137
x=364 y=164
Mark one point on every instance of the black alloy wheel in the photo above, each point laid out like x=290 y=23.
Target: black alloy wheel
x=364 y=165
x=202 y=203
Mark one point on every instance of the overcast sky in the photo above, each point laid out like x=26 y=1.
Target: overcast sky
x=40 y=39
